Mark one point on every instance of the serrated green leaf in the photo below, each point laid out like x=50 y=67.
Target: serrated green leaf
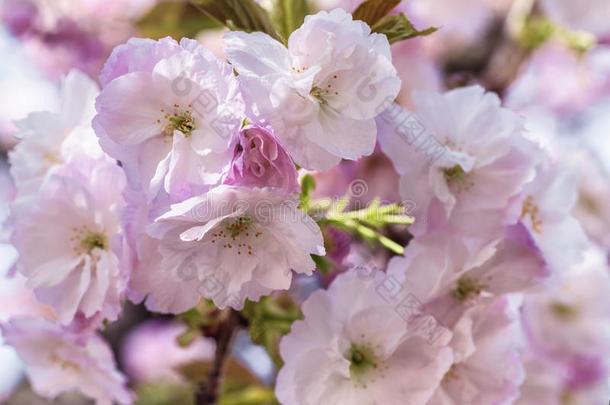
x=288 y=15
x=371 y=11
x=398 y=27
x=238 y=15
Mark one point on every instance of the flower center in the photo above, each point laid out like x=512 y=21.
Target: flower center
x=236 y=234
x=531 y=210
x=52 y=158
x=455 y=173
x=564 y=311
x=362 y=359
x=180 y=120
x=65 y=365
x=457 y=178
x=86 y=241
x=467 y=288
x=319 y=94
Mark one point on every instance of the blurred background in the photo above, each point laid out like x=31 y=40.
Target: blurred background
x=549 y=60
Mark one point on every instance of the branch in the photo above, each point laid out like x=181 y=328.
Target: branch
x=209 y=390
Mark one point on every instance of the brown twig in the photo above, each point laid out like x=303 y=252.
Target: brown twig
x=209 y=390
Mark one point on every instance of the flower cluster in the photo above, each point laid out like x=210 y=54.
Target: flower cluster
x=225 y=191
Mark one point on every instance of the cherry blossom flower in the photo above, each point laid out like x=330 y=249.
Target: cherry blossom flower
x=320 y=94
x=59 y=361
x=591 y=15
x=48 y=139
x=355 y=348
x=572 y=318
x=454 y=280
x=584 y=80
x=171 y=123
x=57 y=36
x=73 y=268
x=487 y=368
x=545 y=210
x=550 y=383
x=461 y=155
x=227 y=245
x=260 y=161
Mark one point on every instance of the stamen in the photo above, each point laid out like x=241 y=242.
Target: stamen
x=467 y=288
x=531 y=209
x=86 y=241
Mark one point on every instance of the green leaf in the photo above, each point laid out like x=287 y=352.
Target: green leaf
x=322 y=264
x=288 y=15
x=177 y=20
x=308 y=185
x=398 y=27
x=238 y=15
x=269 y=320
x=371 y=11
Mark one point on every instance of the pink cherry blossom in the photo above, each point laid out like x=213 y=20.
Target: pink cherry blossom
x=572 y=317
x=487 y=368
x=460 y=155
x=140 y=353
x=172 y=123
x=75 y=268
x=547 y=382
x=453 y=280
x=227 y=245
x=320 y=100
x=48 y=139
x=591 y=15
x=355 y=348
x=59 y=361
x=545 y=207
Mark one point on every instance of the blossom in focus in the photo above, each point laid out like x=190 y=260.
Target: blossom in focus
x=355 y=348
x=170 y=115
x=75 y=268
x=460 y=155
x=227 y=245
x=322 y=93
x=59 y=361
x=260 y=161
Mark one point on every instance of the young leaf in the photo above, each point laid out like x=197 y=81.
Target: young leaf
x=238 y=15
x=288 y=15
x=398 y=27
x=371 y=11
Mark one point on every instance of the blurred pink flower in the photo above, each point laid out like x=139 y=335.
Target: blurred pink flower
x=58 y=361
x=142 y=347
x=585 y=78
